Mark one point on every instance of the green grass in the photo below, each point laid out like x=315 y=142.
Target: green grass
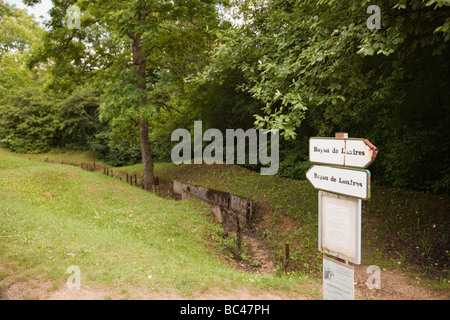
x=67 y=156
x=411 y=229
x=291 y=215
x=398 y=225
x=54 y=216
x=286 y=198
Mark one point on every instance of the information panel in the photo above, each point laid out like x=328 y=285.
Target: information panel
x=340 y=226
x=338 y=280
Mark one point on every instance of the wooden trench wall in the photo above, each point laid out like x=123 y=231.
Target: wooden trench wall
x=229 y=209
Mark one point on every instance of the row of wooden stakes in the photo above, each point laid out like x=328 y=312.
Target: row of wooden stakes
x=130 y=178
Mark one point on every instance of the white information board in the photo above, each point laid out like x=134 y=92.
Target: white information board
x=338 y=280
x=340 y=226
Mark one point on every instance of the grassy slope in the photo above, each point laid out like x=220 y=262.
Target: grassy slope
x=402 y=230
x=53 y=216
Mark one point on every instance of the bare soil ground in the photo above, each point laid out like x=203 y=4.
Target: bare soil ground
x=22 y=290
x=394 y=286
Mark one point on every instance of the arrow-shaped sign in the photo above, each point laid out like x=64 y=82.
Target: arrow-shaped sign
x=351 y=182
x=359 y=153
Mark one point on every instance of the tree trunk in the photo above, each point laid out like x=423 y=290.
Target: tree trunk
x=140 y=60
x=147 y=161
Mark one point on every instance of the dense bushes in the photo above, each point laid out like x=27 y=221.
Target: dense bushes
x=79 y=119
x=119 y=153
x=33 y=121
x=30 y=121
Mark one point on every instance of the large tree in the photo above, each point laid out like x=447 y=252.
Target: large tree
x=18 y=32
x=128 y=45
x=317 y=68
x=320 y=58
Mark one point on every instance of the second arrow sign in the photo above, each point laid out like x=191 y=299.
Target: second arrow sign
x=354 y=183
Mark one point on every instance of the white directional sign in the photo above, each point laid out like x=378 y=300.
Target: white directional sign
x=354 y=183
x=359 y=153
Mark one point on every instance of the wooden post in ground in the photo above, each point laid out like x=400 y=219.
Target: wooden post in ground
x=238 y=233
x=286 y=257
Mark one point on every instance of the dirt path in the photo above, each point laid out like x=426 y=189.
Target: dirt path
x=260 y=253
x=38 y=289
x=394 y=286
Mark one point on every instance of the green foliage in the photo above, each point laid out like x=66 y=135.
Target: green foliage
x=79 y=119
x=116 y=152
x=129 y=48
x=316 y=56
x=315 y=65
x=410 y=126
x=29 y=118
x=294 y=159
x=34 y=121
x=219 y=105
x=307 y=68
x=29 y=121
x=13 y=73
x=18 y=32
x=173 y=38
x=17 y=29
